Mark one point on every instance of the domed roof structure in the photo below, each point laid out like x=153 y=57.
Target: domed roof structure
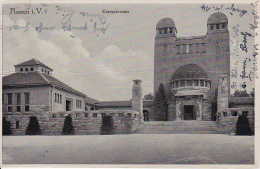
x=165 y=23
x=189 y=71
x=217 y=18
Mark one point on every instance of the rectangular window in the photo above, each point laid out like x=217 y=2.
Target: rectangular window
x=78 y=103
x=244 y=113
x=17 y=124
x=62 y=115
x=203 y=46
x=129 y=114
x=211 y=26
x=112 y=114
x=55 y=97
x=196 y=83
x=53 y=115
x=189 y=83
x=94 y=114
x=206 y=84
x=27 y=98
x=9 y=109
x=9 y=97
x=61 y=99
x=178 y=49
x=135 y=116
x=18 y=98
x=26 y=108
x=18 y=108
x=234 y=113
x=184 y=48
x=120 y=114
x=202 y=83
x=103 y=114
x=78 y=115
x=182 y=83
x=190 y=48
x=197 y=48
x=86 y=115
x=217 y=26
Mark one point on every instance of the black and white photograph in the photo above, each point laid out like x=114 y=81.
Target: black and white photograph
x=130 y=84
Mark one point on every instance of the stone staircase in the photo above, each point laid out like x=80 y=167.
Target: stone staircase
x=178 y=127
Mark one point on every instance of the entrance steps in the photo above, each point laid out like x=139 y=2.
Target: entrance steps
x=178 y=127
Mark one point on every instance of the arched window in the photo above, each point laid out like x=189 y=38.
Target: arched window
x=21 y=69
x=48 y=72
x=45 y=71
x=26 y=69
x=211 y=26
x=42 y=70
x=171 y=30
x=223 y=25
x=31 y=68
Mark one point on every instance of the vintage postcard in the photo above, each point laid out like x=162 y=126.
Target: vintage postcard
x=130 y=84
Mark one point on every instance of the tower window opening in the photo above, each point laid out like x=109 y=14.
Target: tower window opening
x=223 y=25
x=21 y=69
x=171 y=30
x=31 y=69
x=211 y=26
x=217 y=26
x=26 y=69
x=160 y=31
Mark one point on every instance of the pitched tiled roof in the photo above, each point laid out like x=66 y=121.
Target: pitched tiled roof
x=36 y=78
x=30 y=78
x=33 y=62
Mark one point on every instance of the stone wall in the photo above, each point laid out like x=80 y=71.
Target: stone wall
x=227 y=118
x=84 y=122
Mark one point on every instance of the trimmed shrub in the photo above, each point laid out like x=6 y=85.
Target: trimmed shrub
x=242 y=126
x=68 y=128
x=6 y=127
x=107 y=125
x=33 y=127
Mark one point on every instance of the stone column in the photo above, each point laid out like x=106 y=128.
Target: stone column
x=137 y=101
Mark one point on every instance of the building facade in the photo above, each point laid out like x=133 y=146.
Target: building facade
x=190 y=67
x=33 y=88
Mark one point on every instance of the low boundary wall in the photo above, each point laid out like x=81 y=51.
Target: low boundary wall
x=84 y=122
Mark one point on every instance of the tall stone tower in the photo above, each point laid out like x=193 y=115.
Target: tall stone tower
x=137 y=102
x=163 y=49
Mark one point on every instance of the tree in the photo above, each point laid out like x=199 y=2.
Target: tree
x=33 y=127
x=148 y=96
x=239 y=93
x=160 y=104
x=6 y=127
x=68 y=127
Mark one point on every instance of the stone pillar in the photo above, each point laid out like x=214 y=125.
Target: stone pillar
x=137 y=101
x=222 y=92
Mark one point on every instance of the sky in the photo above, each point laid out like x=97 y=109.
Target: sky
x=100 y=54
